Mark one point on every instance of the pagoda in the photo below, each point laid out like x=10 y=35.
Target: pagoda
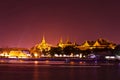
x=99 y=43
x=67 y=43
x=40 y=48
x=102 y=43
x=43 y=45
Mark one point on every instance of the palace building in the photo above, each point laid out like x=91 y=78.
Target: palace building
x=43 y=45
x=67 y=43
x=40 y=48
x=14 y=53
x=99 y=43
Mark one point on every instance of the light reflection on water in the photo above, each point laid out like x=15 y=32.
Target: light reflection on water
x=57 y=72
x=36 y=74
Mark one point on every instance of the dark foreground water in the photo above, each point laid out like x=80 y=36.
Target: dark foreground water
x=60 y=72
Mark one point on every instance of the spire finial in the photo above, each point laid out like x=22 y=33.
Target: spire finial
x=61 y=41
x=67 y=41
x=43 y=39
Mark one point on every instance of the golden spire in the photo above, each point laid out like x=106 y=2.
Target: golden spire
x=96 y=44
x=86 y=44
x=43 y=40
x=61 y=41
x=74 y=42
x=67 y=41
x=60 y=44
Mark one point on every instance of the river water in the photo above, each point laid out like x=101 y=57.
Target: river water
x=58 y=72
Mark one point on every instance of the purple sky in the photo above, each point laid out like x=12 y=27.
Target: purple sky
x=23 y=22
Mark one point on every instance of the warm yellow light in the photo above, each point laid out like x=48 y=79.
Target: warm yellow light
x=36 y=62
x=80 y=55
x=36 y=55
x=21 y=61
x=81 y=62
x=71 y=62
x=47 y=61
x=1 y=54
x=2 y=61
x=17 y=54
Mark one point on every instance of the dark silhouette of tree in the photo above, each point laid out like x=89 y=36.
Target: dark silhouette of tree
x=55 y=50
x=85 y=52
x=107 y=50
x=68 y=50
x=117 y=50
x=71 y=49
x=77 y=50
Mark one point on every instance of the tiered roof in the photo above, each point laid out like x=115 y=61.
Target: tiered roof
x=99 y=43
x=67 y=43
x=43 y=45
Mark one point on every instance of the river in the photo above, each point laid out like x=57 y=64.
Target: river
x=58 y=72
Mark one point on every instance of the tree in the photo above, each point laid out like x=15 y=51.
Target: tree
x=55 y=50
x=117 y=50
x=71 y=49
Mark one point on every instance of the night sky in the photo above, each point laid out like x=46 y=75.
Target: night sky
x=24 y=22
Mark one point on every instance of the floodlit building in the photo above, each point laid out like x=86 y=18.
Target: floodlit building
x=86 y=45
x=15 y=53
x=67 y=43
x=99 y=43
x=40 y=48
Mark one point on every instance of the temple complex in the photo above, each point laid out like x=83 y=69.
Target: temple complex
x=40 y=48
x=67 y=43
x=99 y=43
x=14 y=53
x=43 y=45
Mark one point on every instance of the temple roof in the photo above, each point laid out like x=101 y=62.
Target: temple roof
x=98 y=43
x=43 y=44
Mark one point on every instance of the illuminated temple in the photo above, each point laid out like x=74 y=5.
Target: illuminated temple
x=99 y=43
x=42 y=48
x=43 y=45
x=67 y=43
x=14 y=53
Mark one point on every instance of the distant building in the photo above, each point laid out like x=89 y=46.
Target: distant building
x=40 y=48
x=14 y=53
x=43 y=45
x=99 y=43
x=67 y=43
